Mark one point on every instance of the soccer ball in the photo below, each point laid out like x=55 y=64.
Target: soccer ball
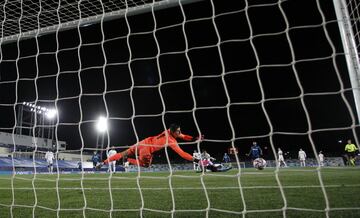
x=259 y=163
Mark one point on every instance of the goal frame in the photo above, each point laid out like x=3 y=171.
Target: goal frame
x=350 y=52
x=129 y=11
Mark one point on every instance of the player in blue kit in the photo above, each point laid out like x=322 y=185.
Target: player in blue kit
x=255 y=151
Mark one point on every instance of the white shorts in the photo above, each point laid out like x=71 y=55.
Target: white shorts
x=281 y=158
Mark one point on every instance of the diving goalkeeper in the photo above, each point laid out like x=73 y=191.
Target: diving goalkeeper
x=145 y=148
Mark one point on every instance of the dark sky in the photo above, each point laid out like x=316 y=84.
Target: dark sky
x=239 y=73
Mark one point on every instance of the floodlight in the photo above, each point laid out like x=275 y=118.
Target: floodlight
x=101 y=125
x=50 y=114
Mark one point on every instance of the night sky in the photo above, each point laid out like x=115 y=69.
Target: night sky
x=232 y=81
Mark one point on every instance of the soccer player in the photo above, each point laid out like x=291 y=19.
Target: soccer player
x=226 y=158
x=321 y=159
x=80 y=166
x=302 y=157
x=350 y=150
x=145 y=148
x=95 y=159
x=206 y=155
x=112 y=164
x=49 y=156
x=196 y=157
x=126 y=166
x=281 y=158
x=208 y=165
x=255 y=151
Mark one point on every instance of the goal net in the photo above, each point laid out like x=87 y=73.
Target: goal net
x=79 y=78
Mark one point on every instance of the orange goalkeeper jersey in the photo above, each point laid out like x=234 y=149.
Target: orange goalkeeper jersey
x=160 y=141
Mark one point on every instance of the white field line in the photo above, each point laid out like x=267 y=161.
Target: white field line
x=187 y=188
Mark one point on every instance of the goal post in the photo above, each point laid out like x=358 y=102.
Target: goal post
x=347 y=13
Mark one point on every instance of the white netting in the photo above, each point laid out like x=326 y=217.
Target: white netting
x=275 y=72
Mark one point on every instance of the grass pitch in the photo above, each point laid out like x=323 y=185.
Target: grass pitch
x=251 y=193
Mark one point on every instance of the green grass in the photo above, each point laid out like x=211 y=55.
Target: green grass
x=124 y=194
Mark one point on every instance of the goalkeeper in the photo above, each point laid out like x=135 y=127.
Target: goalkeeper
x=144 y=149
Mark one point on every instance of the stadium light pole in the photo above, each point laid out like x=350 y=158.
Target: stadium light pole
x=50 y=114
x=101 y=127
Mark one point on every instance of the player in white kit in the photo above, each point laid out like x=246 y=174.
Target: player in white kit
x=281 y=158
x=302 y=157
x=196 y=156
x=49 y=156
x=321 y=159
x=112 y=164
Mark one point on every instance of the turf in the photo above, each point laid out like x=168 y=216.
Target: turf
x=185 y=194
